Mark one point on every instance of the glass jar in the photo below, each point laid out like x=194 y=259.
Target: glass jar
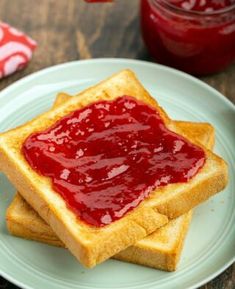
x=193 y=41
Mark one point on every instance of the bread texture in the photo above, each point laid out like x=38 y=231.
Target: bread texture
x=89 y=244
x=160 y=250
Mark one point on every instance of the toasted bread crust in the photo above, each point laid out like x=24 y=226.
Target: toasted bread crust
x=159 y=258
x=91 y=245
x=23 y=221
x=20 y=230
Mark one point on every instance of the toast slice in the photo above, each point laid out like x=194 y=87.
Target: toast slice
x=89 y=244
x=160 y=250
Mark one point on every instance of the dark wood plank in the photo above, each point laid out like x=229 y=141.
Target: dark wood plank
x=70 y=30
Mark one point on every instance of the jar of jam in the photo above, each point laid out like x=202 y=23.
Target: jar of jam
x=196 y=36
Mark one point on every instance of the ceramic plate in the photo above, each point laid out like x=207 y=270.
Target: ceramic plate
x=210 y=244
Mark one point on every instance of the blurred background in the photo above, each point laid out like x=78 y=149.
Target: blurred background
x=71 y=30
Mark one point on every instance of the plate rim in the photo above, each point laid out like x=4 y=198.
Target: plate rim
x=49 y=69
x=34 y=75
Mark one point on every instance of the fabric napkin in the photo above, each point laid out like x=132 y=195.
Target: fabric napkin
x=16 y=49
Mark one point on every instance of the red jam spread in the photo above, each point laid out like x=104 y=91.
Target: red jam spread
x=106 y=158
x=196 y=36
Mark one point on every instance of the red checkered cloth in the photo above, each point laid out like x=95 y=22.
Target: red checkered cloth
x=16 y=49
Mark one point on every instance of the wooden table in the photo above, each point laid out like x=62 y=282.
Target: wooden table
x=70 y=29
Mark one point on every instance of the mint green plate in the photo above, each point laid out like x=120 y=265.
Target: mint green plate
x=210 y=245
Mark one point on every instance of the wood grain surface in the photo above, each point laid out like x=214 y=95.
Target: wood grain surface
x=71 y=29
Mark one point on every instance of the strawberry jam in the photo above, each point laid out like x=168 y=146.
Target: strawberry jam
x=105 y=158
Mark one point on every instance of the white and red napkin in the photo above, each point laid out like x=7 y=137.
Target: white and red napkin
x=16 y=49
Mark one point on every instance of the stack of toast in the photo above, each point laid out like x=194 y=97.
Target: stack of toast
x=151 y=234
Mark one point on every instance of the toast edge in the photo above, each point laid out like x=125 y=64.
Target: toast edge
x=166 y=259
x=19 y=230
x=178 y=205
x=88 y=253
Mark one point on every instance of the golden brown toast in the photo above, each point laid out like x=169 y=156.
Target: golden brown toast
x=89 y=244
x=160 y=250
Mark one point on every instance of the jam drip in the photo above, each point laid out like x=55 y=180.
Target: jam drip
x=106 y=158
